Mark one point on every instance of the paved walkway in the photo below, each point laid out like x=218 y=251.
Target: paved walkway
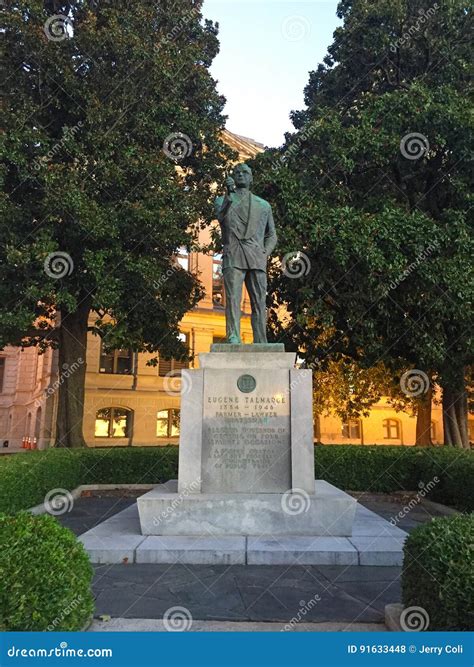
x=347 y=595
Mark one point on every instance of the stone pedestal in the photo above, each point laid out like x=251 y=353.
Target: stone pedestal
x=246 y=457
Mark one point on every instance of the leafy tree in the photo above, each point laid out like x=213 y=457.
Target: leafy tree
x=372 y=191
x=112 y=142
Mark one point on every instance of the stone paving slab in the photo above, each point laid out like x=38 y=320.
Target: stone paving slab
x=301 y=550
x=210 y=550
x=374 y=542
x=158 y=625
x=309 y=594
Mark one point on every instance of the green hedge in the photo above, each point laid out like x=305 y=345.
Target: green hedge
x=45 y=575
x=26 y=478
x=438 y=572
x=388 y=469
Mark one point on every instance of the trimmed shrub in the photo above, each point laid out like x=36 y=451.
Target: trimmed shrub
x=389 y=468
x=26 y=478
x=45 y=575
x=438 y=572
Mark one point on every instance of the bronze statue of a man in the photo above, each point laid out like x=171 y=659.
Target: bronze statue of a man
x=248 y=238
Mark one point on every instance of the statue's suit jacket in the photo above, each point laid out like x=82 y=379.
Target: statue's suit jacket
x=248 y=232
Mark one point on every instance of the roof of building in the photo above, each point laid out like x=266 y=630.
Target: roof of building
x=246 y=148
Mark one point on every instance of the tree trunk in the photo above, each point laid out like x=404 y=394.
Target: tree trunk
x=71 y=376
x=423 y=420
x=455 y=415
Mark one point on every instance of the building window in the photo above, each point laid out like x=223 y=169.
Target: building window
x=470 y=424
x=167 y=423
x=351 y=429
x=218 y=296
x=113 y=423
x=182 y=257
x=433 y=431
x=119 y=361
x=391 y=429
x=167 y=366
x=2 y=372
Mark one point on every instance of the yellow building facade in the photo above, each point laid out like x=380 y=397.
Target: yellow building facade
x=130 y=403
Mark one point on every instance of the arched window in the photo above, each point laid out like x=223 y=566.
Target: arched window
x=392 y=430
x=167 y=423
x=351 y=429
x=113 y=423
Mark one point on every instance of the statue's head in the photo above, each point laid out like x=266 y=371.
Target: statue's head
x=242 y=175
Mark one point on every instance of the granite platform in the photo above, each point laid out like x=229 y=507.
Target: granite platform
x=374 y=541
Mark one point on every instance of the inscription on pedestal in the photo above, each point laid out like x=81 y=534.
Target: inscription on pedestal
x=246 y=431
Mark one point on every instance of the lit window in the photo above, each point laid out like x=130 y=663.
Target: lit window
x=470 y=424
x=182 y=258
x=119 y=361
x=167 y=423
x=391 y=429
x=351 y=429
x=218 y=296
x=166 y=366
x=112 y=423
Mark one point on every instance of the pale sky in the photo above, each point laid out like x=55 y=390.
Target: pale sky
x=267 y=48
